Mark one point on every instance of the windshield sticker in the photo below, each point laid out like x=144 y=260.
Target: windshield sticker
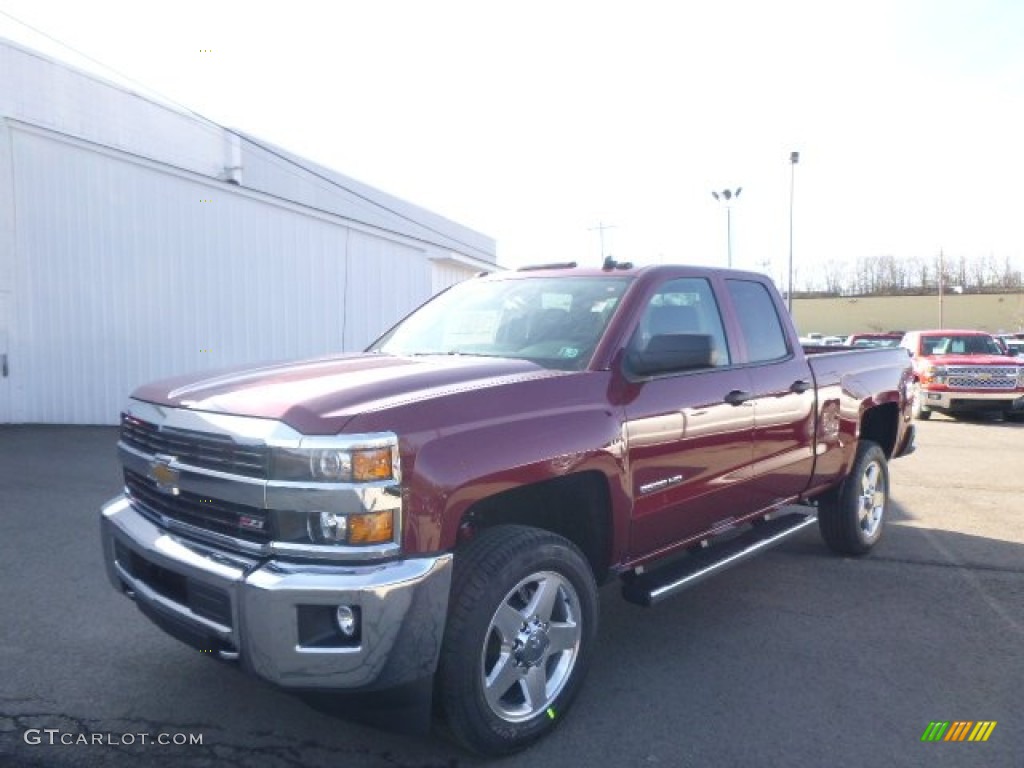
x=471 y=327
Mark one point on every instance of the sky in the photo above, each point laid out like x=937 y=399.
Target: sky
x=535 y=123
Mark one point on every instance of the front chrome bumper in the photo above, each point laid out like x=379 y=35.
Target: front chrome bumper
x=959 y=399
x=275 y=616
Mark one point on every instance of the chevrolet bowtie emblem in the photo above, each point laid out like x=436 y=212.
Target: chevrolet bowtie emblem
x=166 y=479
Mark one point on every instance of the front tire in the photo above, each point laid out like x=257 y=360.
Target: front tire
x=918 y=410
x=521 y=627
x=852 y=517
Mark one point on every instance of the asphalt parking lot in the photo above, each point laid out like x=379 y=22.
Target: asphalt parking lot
x=797 y=658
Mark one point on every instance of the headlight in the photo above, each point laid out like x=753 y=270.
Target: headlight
x=335 y=493
x=333 y=460
x=327 y=527
x=355 y=530
x=936 y=373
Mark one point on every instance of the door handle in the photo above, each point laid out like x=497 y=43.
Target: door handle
x=738 y=397
x=800 y=386
x=3 y=365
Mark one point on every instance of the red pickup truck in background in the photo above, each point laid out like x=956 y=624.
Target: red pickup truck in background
x=964 y=372
x=443 y=507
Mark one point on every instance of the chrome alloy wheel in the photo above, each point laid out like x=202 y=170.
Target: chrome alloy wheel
x=872 y=500
x=531 y=646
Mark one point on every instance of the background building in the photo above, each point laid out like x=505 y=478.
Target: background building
x=139 y=241
x=841 y=316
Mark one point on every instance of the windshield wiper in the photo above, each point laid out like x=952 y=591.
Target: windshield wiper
x=450 y=353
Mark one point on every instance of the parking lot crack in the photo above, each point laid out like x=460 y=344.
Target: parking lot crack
x=263 y=749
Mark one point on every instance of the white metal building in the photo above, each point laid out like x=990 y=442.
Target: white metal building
x=138 y=241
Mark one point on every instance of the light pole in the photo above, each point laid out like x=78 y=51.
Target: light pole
x=728 y=195
x=794 y=158
x=942 y=276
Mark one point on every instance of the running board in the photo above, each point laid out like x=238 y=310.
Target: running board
x=656 y=585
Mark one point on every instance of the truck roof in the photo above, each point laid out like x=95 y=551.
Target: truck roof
x=951 y=331
x=571 y=269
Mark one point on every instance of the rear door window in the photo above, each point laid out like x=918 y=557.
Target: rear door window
x=759 y=320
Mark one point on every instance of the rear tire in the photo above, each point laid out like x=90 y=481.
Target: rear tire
x=521 y=627
x=852 y=517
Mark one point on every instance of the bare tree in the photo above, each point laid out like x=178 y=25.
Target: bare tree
x=978 y=274
x=959 y=275
x=922 y=273
x=835 y=277
x=1010 y=280
x=888 y=275
x=943 y=272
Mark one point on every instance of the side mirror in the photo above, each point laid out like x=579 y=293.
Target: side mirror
x=672 y=352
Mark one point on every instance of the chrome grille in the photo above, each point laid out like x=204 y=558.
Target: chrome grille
x=237 y=520
x=197 y=449
x=981 y=377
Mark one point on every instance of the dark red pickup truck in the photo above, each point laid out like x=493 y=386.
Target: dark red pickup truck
x=442 y=507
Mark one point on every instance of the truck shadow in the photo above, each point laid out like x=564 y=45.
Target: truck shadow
x=783 y=645
x=980 y=418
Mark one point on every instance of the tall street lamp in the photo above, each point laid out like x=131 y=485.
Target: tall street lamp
x=794 y=158
x=727 y=196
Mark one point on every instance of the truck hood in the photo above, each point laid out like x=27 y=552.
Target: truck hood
x=970 y=360
x=320 y=396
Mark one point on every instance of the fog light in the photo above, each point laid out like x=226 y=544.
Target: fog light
x=347 y=622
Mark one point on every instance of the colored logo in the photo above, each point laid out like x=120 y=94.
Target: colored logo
x=958 y=730
x=166 y=479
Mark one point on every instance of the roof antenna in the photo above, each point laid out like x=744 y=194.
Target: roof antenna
x=610 y=264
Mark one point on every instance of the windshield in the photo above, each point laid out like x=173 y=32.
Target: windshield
x=959 y=345
x=876 y=342
x=555 y=322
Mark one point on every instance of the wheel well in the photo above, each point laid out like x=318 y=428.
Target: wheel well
x=576 y=506
x=880 y=425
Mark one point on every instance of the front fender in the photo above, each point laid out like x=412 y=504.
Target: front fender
x=455 y=471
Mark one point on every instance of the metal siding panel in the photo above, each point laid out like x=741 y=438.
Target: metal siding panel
x=38 y=90
x=388 y=280
x=139 y=276
x=118 y=275
x=7 y=251
x=446 y=275
x=5 y=335
x=279 y=172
